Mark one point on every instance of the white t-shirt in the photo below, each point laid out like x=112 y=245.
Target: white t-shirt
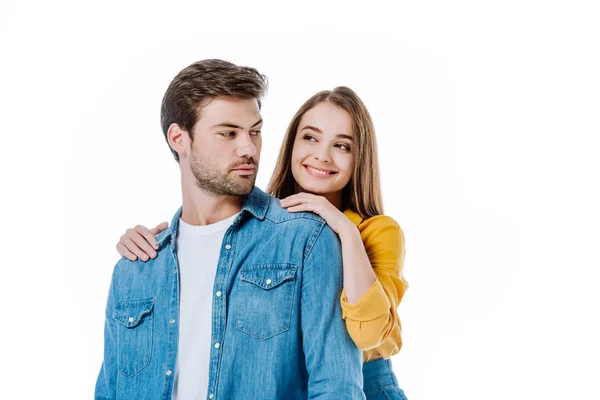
x=198 y=250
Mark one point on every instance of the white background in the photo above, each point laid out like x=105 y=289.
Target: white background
x=487 y=115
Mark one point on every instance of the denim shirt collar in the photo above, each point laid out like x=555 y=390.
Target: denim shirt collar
x=256 y=203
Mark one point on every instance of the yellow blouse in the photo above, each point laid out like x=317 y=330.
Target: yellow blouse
x=373 y=322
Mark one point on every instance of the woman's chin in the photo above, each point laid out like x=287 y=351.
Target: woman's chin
x=313 y=189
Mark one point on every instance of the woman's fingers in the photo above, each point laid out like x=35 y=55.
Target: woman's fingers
x=143 y=239
x=297 y=199
x=123 y=251
x=299 y=208
x=158 y=229
x=305 y=207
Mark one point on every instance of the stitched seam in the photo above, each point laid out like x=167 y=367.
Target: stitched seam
x=312 y=240
x=293 y=216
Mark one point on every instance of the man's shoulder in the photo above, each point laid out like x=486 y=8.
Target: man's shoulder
x=125 y=268
x=265 y=206
x=278 y=214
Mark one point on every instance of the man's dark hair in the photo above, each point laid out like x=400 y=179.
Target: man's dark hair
x=199 y=83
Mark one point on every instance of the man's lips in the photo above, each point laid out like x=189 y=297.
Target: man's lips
x=244 y=168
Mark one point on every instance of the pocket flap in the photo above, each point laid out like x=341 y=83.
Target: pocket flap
x=268 y=276
x=131 y=313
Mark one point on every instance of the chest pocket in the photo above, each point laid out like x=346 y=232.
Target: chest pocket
x=135 y=321
x=266 y=294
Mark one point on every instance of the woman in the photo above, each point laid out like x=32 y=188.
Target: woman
x=328 y=165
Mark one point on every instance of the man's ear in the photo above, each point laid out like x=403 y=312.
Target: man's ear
x=179 y=140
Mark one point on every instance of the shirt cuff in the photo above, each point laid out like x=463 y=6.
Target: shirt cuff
x=372 y=305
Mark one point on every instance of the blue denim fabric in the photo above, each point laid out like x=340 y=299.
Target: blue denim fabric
x=380 y=381
x=277 y=329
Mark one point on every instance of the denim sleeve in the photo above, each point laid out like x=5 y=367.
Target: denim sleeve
x=106 y=383
x=333 y=361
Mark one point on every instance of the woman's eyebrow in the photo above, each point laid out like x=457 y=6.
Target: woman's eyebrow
x=312 y=128
x=339 y=135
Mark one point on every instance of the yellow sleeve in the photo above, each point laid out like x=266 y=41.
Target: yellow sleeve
x=374 y=319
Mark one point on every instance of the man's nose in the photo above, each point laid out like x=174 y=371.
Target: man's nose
x=245 y=146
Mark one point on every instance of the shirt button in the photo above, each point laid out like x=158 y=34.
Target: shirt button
x=211 y=396
x=217 y=345
x=228 y=246
x=130 y=319
x=268 y=281
x=172 y=321
x=218 y=294
x=168 y=372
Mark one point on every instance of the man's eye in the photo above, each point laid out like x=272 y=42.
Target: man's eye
x=227 y=134
x=255 y=133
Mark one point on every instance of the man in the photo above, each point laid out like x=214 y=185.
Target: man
x=242 y=300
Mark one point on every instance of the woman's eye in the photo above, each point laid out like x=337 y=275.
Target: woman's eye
x=343 y=146
x=309 y=138
x=227 y=134
x=255 y=133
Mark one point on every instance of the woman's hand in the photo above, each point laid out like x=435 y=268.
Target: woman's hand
x=321 y=206
x=140 y=242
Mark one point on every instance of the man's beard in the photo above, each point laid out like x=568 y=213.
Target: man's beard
x=222 y=183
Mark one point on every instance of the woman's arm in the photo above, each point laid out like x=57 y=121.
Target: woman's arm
x=372 y=261
x=358 y=272
x=373 y=318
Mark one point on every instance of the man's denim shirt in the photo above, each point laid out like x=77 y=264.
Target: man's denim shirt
x=277 y=328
